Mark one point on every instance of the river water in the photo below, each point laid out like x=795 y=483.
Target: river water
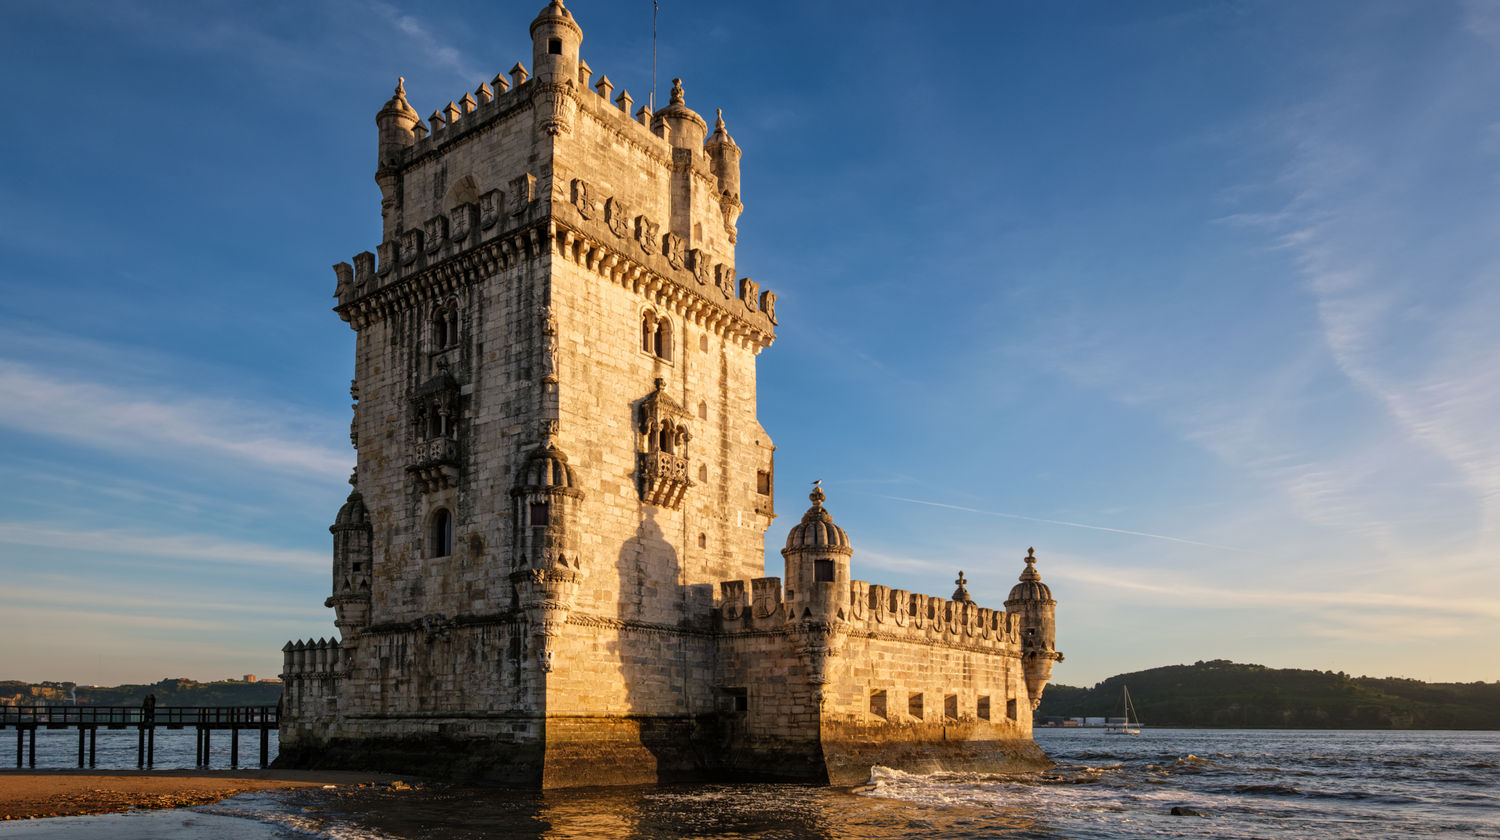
x=1307 y=785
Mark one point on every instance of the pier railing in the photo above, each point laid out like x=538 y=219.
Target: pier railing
x=26 y=720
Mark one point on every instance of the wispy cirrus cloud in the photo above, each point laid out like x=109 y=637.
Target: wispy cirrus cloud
x=173 y=546
x=1175 y=589
x=1063 y=523
x=127 y=422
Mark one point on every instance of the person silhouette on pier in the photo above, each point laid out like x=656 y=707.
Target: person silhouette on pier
x=148 y=709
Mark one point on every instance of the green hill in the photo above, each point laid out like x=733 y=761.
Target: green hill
x=169 y=692
x=1221 y=693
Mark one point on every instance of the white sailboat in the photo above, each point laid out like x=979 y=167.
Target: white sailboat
x=1131 y=724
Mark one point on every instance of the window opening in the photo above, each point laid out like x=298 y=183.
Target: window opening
x=877 y=703
x=1010 y=708
x=539 y=513
x=823 y=570
x=442 y=533
x=554 y=46
x=984 y=708
x=914 y=705
x=950 y=707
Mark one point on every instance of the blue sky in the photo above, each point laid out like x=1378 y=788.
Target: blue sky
x=1199 y=299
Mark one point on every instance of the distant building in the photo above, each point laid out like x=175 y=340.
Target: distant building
x=550 y=569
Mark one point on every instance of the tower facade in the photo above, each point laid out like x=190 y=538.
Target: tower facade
x=562 y=485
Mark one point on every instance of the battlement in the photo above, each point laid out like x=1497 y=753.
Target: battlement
x=874 y=610
x=311 y=658
x=501 y=96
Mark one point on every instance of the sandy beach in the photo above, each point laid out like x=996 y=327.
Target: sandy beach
x=31 y=794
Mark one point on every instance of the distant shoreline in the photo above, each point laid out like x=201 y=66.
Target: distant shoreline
x=38 y=794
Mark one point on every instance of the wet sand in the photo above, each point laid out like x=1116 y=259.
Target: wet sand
x=29 y=794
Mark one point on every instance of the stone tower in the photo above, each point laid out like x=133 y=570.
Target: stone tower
x=549 y=571
x=555 y=423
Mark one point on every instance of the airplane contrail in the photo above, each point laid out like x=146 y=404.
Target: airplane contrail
x=1066 y=524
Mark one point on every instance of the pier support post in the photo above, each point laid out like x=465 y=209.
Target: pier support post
x=80 y=746
x=31 y=748
x=20 y=742
x=140 y=746
x=93 y=746
x=265 y=744
x=234 y=747
x=151 y=747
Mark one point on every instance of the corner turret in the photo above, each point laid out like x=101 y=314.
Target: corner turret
x=555 y=38
x=397 y=123
x=684 y=128
x=817 y=565
x=352 y=557
x=549 y=566
x=724 y=161
x=1032 y=601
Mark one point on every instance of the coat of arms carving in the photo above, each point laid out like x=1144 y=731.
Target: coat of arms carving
x=436 y=230
x=749 y=289
x=491 y=208
x=701 y=264
x=768 y=304
x=646 y=233
x=616 y=216
x=724 y=279
x=671 y=246
x=411 y=246
x=581 y=198
x=461 y=222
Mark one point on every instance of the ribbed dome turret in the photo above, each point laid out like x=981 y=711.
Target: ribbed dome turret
x=547 y=466
x=554 y=13
x=688 y=129
x=1031 y=587
x=397 y=106
x=816 y=530
x=353 y=514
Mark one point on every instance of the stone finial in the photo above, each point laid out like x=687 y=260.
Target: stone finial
x=467 y=104
x=719 y=121
x=643 y=115
x=677 y=95
x=484 y=93
x=603 y=87
x=501 y=83
x=437 y=121
x=1030 y=572
x=585 y=72
x=450 y=113
x=420 y=129
x=624 y=100
x=518 y=74
x=817 y=495
x=961 y=594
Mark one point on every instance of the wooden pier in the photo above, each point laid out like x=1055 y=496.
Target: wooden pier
x=89 y=719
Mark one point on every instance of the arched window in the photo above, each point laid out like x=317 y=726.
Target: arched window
x=445 y=326
x=442 y=533
x=663 y=342
x=666 y=438
x=648 y=331
x=656 y=335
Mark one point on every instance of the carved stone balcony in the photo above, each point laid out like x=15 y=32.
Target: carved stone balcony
x=664 y=479
x=434 y=464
